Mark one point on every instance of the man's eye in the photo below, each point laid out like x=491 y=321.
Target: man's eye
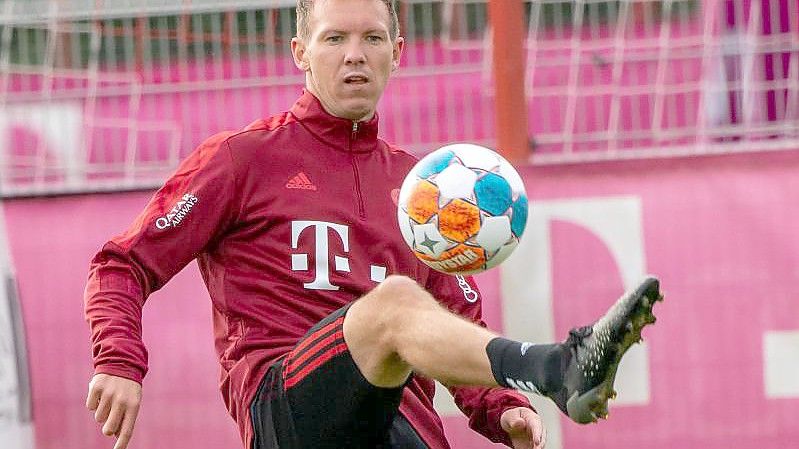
x=374 y=38
x=333 y=39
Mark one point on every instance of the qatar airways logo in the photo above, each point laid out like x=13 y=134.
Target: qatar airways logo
x=178 y=212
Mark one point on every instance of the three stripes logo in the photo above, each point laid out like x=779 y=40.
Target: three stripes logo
x=522 y=385
x=316 y=350
x=300 y=181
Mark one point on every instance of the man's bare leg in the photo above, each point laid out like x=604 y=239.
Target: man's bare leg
x=399 y=327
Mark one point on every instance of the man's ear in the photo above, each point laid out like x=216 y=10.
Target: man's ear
x=298 y=53
x=397 y=55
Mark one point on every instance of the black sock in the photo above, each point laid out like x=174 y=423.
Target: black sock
x=525 y=366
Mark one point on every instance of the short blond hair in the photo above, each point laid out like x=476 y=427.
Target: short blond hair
x=305 y=7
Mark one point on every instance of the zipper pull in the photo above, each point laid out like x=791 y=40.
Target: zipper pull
x=355 y=126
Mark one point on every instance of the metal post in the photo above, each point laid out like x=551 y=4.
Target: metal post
x=508 y=35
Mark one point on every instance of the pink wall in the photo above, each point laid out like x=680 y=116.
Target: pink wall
x=52 y=241
x=719 y=231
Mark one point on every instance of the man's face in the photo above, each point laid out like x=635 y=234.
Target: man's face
x=348 y=55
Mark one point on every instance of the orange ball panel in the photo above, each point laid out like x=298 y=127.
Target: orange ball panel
x=423 y=202
x=458 y=259
x=459 y=220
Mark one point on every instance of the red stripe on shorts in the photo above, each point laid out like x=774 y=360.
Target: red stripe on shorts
x=308 y=341
x=295 y=378
x=312 y=348
x=292 y=364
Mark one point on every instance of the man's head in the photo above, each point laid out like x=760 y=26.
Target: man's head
x=347 y=49
x=305 y=7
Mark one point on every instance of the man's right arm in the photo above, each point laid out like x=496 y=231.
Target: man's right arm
x=192 y=209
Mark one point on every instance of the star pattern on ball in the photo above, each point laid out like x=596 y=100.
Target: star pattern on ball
x=428 y=243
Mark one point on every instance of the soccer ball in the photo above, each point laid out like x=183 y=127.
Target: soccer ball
x=462 y=209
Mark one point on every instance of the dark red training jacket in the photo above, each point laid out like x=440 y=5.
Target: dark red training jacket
x=289 y=220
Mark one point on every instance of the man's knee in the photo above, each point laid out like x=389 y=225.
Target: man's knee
x=398 y=296
x=374 y=325
x=394 y=306
x=400 y=288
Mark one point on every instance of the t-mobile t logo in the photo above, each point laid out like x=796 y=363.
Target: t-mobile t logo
x=299 y=262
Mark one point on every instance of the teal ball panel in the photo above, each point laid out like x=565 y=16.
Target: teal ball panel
x=493 y=194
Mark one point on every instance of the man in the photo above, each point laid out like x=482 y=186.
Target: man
x=288 y=240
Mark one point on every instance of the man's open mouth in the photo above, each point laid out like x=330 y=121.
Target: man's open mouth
x=356 y=79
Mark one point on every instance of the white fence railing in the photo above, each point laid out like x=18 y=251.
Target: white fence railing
x=110 y=94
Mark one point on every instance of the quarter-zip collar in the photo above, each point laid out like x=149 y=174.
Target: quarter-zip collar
x=335 y=131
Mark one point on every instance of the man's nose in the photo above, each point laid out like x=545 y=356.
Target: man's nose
x=355 y=54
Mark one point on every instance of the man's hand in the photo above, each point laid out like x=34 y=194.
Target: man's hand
x=524 y=427
x=115 y=402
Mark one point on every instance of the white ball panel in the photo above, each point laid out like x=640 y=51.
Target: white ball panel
x=494 y=233
x=503 y=254
x=475 y=156
x=456 y=181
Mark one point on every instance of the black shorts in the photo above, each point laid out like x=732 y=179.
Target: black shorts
x=316 y=397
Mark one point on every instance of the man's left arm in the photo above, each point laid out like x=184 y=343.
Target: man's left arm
x=500 y=414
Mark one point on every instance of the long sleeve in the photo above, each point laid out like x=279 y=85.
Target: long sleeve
x=482 y=406
x=192 y=208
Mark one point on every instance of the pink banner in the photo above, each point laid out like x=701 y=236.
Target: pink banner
x=721 y=368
